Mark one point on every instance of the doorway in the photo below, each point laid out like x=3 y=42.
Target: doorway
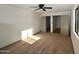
x=47 y=23
x=56 y=24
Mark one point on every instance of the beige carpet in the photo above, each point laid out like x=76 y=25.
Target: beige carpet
x=43 y=43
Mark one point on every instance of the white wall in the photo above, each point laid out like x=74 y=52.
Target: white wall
x=13 y=21
x=75 y=38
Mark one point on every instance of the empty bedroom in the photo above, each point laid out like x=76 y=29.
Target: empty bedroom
x=39 y=29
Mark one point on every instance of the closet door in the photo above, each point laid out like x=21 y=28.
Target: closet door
x=65 y=25
x=43 y=24
x=48 y=24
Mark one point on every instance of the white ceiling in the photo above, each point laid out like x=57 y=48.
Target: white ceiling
x=56 y=7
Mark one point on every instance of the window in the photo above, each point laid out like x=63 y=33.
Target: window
x=77 y=20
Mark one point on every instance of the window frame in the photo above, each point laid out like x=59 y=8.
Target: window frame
x=77 y=20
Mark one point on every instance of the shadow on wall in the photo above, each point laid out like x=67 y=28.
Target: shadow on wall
x=27 y=36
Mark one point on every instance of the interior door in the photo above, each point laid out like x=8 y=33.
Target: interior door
x=47 y=23
x=65 y=25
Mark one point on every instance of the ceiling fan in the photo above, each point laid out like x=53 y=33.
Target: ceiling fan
x=42 y=6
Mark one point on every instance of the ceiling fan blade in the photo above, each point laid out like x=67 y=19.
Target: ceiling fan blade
x=48 y=7
x=43 y=9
